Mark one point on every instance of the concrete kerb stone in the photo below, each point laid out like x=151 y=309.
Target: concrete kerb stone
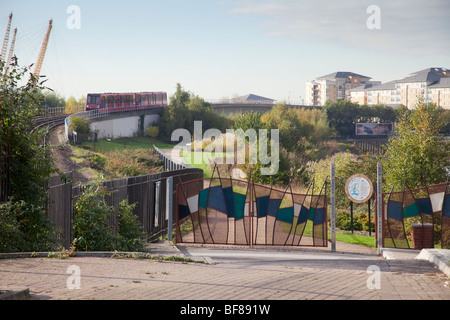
x=158 y=249
x=439 y=257
x=399 y=254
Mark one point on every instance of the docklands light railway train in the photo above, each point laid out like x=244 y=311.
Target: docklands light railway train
x=125 y=101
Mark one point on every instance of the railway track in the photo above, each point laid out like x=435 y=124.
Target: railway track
x=48 y=121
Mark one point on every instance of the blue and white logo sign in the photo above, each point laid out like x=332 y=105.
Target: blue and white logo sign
x=359 y=188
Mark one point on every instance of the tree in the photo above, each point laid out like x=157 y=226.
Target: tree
x=417 y=154
x=53 y=100
x=29 y=166
x=184 y=108
x=317 y=123
x=342 y=115
x=292 y=132
x=248 y=120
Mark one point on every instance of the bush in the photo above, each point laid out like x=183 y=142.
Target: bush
x=130 y=229
x=92 y=223
x=82 y=127
x=97 y=161
x=24 y=228
x=152 y=131
x=360 y=221
x=91 y=219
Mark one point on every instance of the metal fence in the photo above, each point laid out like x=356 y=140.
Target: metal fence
x=148 y=192
x=374 y=146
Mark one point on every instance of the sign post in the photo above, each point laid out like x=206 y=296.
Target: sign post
x=379 y=207
x=359 y=189
x=333 y=206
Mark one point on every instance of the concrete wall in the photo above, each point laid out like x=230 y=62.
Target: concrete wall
x=121 y=127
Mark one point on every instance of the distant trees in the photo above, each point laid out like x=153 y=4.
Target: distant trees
x=184 y=108
x=300 y=130
x=343 y=115
x=52 y=100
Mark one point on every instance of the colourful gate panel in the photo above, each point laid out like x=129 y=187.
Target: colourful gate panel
x=237 y=212
x=426 y=205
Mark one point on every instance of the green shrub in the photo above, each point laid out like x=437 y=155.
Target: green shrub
x=97 y=161
x=360 y=221
x=24 y=228
x=82 y=127
x=91 y=219
x=130 y=229
x=93 y=230
x=152 y=131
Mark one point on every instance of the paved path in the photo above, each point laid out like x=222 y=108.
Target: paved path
x=236 y=273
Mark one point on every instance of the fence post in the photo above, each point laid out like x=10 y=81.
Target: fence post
x=379 y=207
x=333 y=206
x=157 y=203
x=169 y=206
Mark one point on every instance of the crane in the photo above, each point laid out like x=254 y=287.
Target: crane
x=5 y=41
x=11 y=50
x=40 y=60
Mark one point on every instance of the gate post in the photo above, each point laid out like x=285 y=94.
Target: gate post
x=157 y=203
x=333 y=206
x=379 y=207
x=169 y=206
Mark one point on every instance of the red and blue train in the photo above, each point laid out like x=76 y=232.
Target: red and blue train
x=125 y=101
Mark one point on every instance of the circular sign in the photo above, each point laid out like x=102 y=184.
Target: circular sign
x=359 y=188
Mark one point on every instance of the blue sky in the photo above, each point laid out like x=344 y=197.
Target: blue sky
x=227 y=48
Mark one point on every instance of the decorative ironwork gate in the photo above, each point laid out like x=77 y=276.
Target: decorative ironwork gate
x=238 y=212
x=426 y=207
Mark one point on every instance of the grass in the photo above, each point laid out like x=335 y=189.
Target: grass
x=118 y=158
x=106 y=146
x=189 y=157
x=367 y=241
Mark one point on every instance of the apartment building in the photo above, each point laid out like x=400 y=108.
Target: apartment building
x=335 y=86
x=432 y=84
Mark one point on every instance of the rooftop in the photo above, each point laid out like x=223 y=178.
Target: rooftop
x=385 y=86
x=252 y=97
x=442 y=83
x=427 y=75
x=342 y=75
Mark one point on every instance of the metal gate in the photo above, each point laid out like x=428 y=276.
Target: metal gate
x=237 y=212
x=417 y=210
